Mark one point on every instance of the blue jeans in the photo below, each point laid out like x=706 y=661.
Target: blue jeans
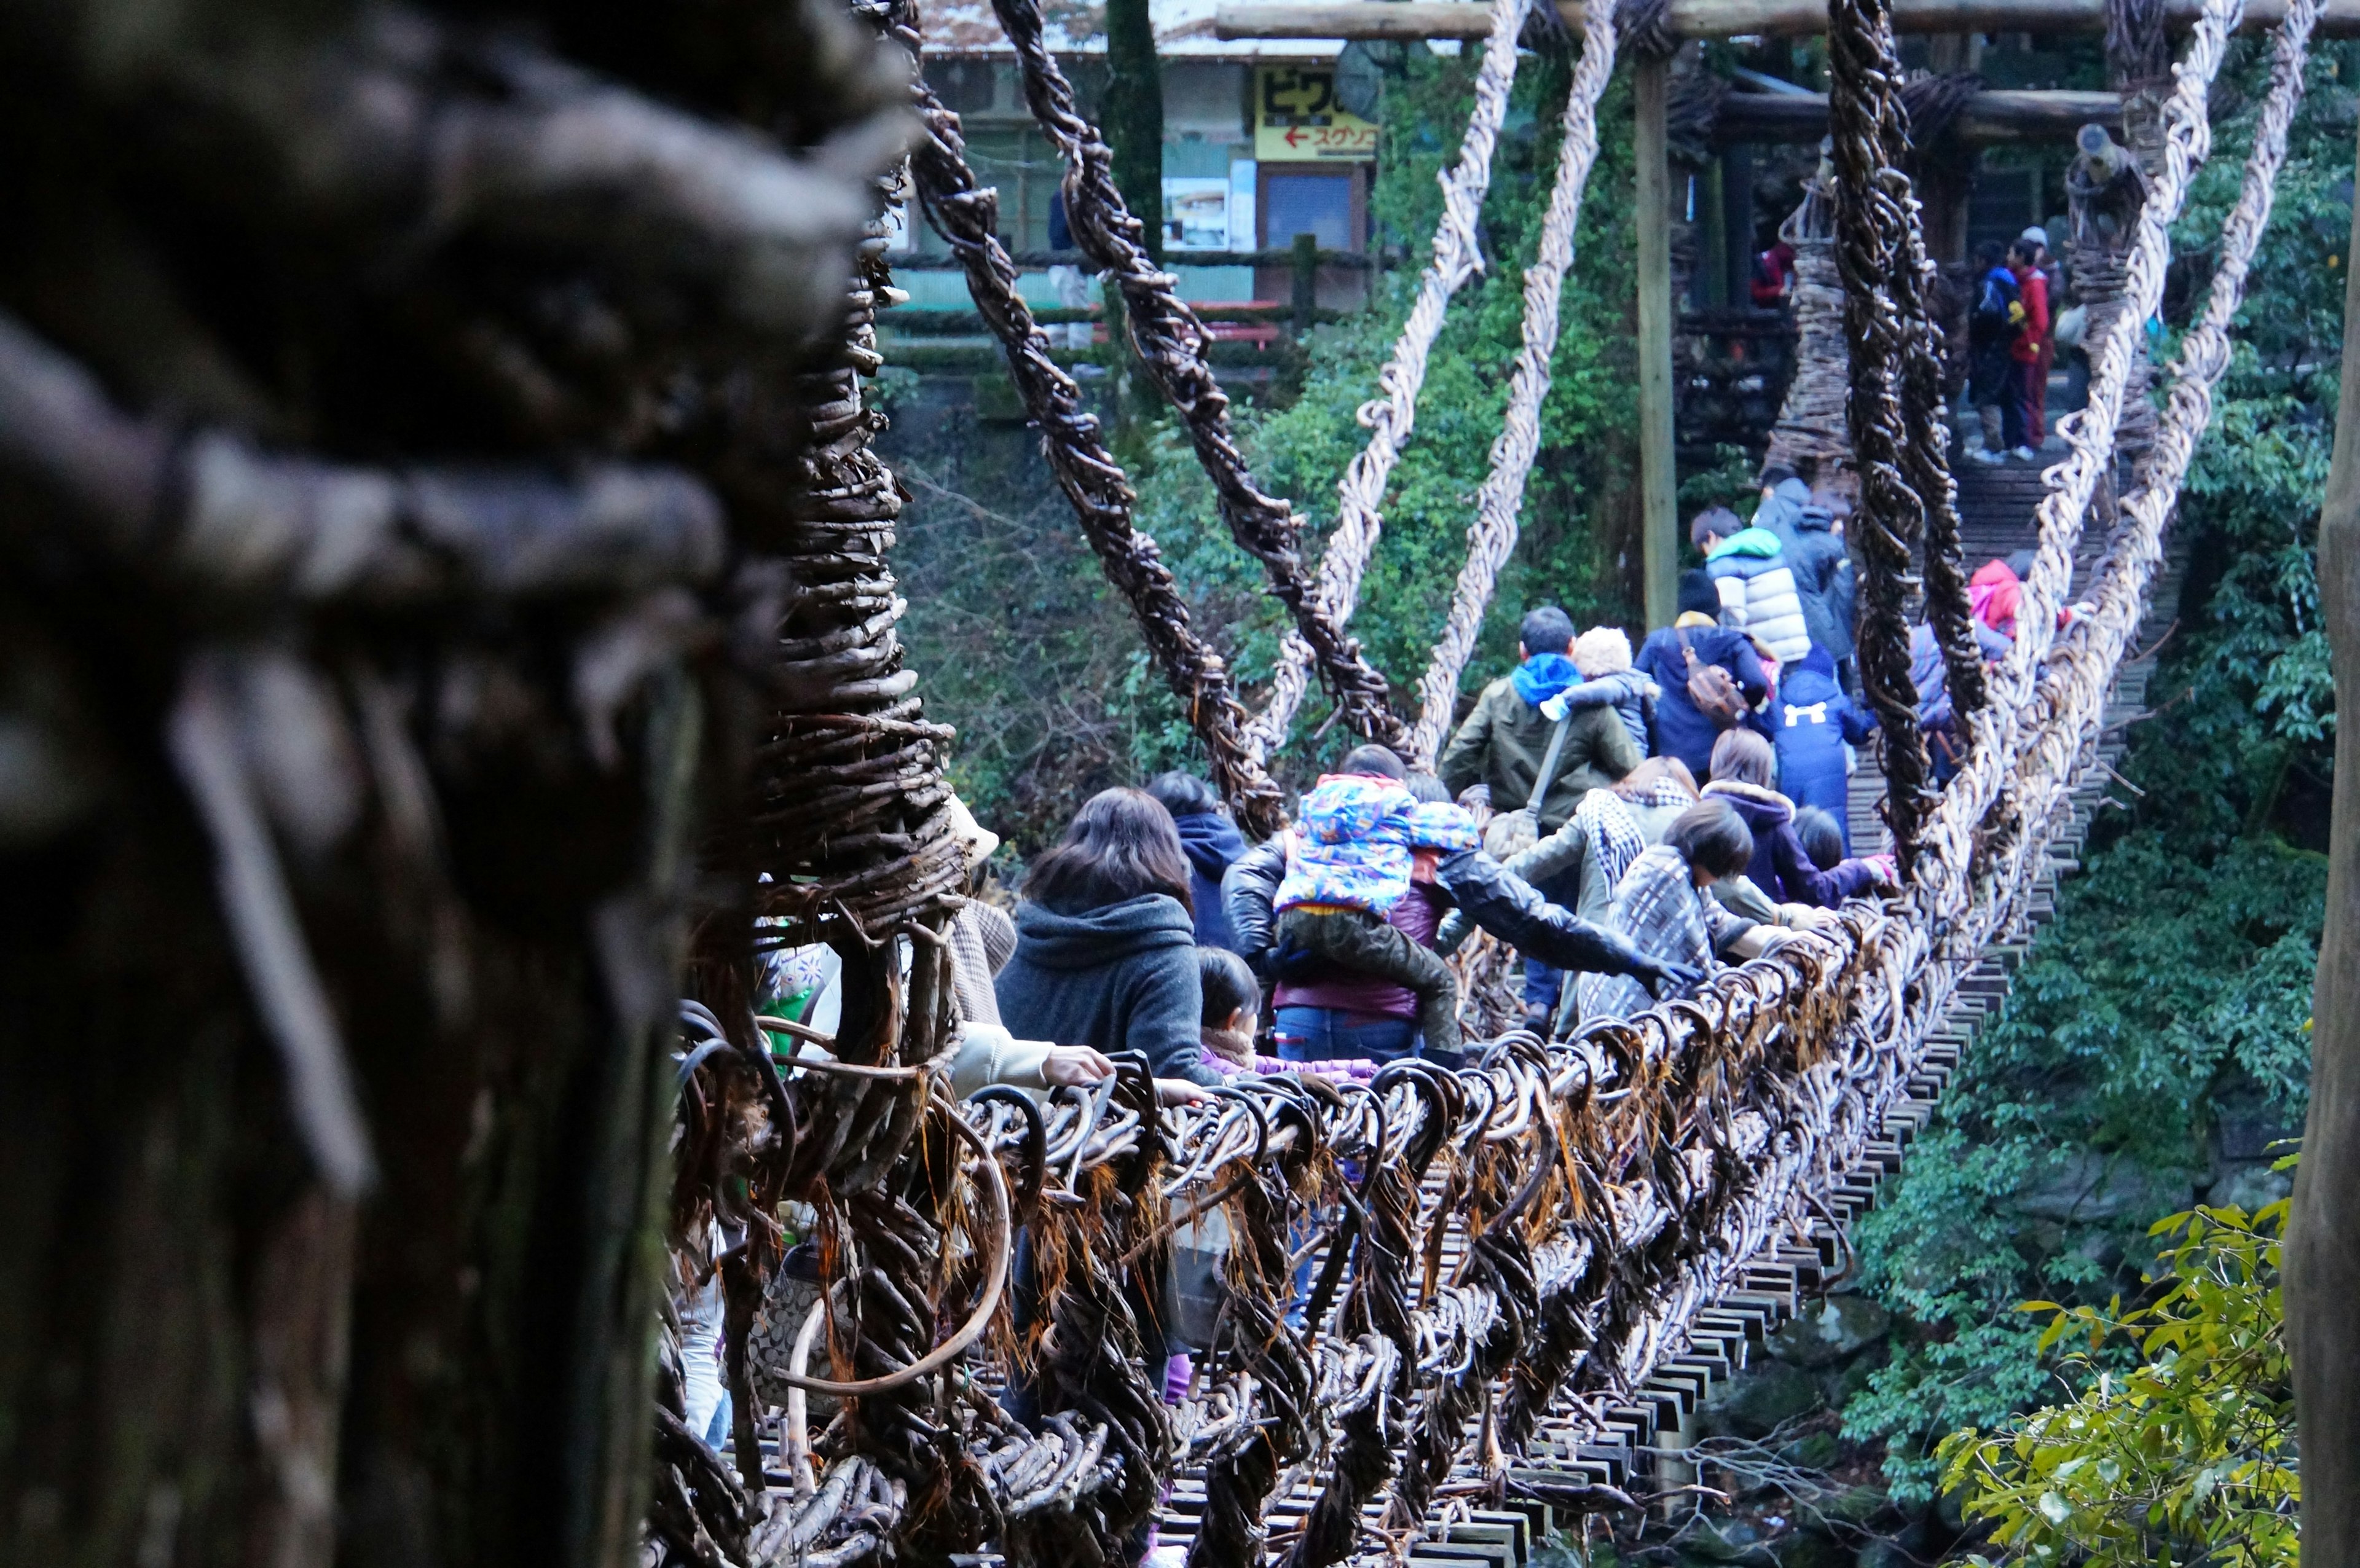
x=1541 y=982
x=1328 y=1034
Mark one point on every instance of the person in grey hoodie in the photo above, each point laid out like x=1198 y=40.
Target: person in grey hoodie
x=1106 y=945
x=1814 y=553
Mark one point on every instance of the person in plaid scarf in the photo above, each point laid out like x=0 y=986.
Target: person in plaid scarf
x=1665 y=905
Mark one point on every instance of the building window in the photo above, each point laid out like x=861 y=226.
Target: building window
x=962 y=86
x=1319 y=204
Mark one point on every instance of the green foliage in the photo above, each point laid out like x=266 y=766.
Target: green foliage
x=1301 y=450
x=2251 y=700
x=2164 y=981
x=2186 y=1456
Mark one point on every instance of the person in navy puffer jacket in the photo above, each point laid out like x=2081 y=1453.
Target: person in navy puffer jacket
x=1212 y=844
x=1680 y=729
x=1811 y=721
x=1743 y=765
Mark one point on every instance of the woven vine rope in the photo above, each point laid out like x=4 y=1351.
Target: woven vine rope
x=1492 y=537
x=1360 y=498
x=967 y=214
x=1171 y=344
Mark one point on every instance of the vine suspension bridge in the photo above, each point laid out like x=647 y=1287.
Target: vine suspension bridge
x=1522 y=1277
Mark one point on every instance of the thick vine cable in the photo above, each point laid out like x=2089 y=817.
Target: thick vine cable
x=1925 y=465
x=1967 y=823
x=965 y=214
x=1171 y=342
x=1359 y=498
x=1876 y=217
x=1492 y=537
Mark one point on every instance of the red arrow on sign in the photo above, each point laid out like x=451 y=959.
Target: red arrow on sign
x=1293 y=137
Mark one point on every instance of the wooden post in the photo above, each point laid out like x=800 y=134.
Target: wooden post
x=1306 y=285
x=2322 y=1241
x=1659 y=520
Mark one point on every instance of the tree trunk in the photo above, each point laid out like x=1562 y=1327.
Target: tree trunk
x=2323 y=1244
x=1134 y=115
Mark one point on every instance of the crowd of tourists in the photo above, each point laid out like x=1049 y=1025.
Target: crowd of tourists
x=2017 y=325
x=1623 y=821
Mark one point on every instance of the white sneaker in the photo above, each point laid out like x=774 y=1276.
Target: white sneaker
x=1986 y=456
x=2025 y=454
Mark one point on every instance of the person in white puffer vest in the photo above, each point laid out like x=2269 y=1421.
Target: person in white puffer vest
x=1757 y=589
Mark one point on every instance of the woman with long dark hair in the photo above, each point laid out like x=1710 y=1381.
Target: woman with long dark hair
x=1106 y=946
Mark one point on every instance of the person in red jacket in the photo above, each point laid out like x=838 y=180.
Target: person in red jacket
x=1773 y=276
x=2036 y=423
x=2030 y=350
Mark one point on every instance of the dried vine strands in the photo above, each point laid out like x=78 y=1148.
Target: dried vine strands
x=1968 y=822
x=1360 y=496
x=966 y=214
x=1171 y=342
x=1876 y=218
x=1491 y=537
x=850 y=821
x=1266 y=1414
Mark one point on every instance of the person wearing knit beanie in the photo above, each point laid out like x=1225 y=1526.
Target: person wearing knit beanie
x=1699 y=596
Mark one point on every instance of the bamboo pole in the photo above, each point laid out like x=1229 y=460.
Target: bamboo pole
x=1659 y=484
x=1722 y=18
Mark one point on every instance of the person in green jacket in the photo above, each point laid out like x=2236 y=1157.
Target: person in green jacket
x=1502 y=741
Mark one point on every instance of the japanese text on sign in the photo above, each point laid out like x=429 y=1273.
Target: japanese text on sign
x=1297 y=118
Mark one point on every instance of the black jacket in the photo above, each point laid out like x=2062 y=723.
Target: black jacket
x=1492 y=897
x=1119 y=977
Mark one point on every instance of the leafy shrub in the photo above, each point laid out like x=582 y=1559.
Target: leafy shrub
x=2186 y=1456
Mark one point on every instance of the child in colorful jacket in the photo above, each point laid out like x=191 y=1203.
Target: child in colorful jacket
x=1360 y=841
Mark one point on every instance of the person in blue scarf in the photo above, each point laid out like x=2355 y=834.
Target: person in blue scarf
x=1212 y=844
x=1502 y=741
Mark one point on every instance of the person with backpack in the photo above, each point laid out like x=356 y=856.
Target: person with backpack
x=1756 y=584
x=1814 y=551
x=1991 y=323
x=2030 y=348
x=1710 y=676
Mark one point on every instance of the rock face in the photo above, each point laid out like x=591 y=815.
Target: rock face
x=1762 y=1399
x=2087 y=1186
x=1829 y=1331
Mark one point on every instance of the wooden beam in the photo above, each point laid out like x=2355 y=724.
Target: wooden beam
x=1658 y=480
x=1723 y=18
x=1988 y=117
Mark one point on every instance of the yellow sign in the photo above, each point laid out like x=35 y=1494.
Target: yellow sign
x=1297 y=120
